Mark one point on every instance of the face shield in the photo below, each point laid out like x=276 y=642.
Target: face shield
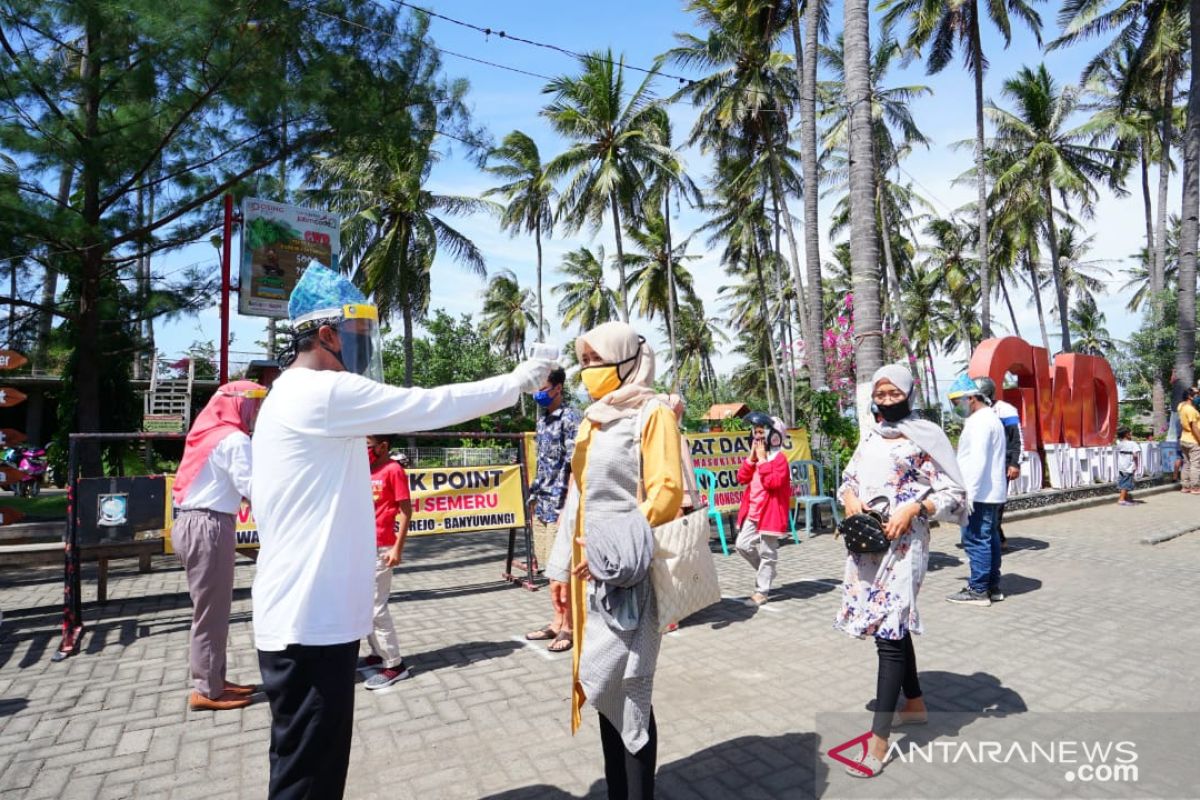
x=357 y=325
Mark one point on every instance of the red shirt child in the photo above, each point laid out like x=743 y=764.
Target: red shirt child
x=389 y=489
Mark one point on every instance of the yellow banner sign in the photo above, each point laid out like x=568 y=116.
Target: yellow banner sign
x=722 y=453
x=245 y=530
x=445 y=500
x=458 y=499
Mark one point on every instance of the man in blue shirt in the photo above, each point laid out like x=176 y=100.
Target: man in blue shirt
x=556 y=430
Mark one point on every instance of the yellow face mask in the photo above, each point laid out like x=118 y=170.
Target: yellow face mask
x=600 y=380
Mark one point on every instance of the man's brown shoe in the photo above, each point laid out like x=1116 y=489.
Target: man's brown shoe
x=240 y=689
x=225 y=702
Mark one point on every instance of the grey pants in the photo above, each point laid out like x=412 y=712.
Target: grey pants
x=1190 y=472
x=762 y=552
x=205 y=543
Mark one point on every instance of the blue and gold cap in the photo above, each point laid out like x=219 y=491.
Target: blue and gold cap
x=320 y=289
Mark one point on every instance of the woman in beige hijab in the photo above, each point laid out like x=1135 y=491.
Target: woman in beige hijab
x=605 y=543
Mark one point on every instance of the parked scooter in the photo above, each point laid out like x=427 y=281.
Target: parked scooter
x=31 y=461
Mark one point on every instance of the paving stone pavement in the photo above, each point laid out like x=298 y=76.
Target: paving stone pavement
x=1093 y=623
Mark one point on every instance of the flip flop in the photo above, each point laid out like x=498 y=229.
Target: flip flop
x=545 y=634
x=564 y=636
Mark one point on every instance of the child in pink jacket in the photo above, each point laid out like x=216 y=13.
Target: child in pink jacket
x=766 y=503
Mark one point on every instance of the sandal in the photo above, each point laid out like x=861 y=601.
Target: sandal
x=868 y=767
x=545 y=634
x=562 y=642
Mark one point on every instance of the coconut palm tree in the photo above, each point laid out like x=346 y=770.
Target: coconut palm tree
x=654 y=280
x=1157 y=31
x=615 y=142
x=698 y=340
x=1185 y=350
x=948 y=256
x=393 y=227
x=1088 y=328
x=1083 y=278
x=1038 y=149
x=586 y=298
x=745 y=98
x=529 y=193
x=947 y=25
x=671 y=181
x=507 y=313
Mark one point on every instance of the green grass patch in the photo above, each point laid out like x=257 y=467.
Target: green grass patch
x=52 y=506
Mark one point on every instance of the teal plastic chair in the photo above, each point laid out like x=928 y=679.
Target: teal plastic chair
x=706 y=480
x=802 y=471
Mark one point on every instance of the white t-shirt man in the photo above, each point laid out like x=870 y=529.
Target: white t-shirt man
x=315 y=577
x=981 y=457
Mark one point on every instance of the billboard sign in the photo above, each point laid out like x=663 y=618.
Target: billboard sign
x=278 y=242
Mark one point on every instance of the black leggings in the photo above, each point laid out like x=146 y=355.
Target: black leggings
x=897 y=670
x=630 y=776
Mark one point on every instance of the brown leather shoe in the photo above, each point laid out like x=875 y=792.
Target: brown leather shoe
x=225 y=702
x=240 y=689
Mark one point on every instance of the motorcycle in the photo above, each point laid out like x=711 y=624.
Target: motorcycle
x=33 y=464
x=31 y=461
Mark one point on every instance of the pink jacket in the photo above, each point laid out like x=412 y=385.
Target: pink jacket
x=776 y=478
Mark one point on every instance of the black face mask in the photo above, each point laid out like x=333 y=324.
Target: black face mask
x=895 y=411
x=359 y=348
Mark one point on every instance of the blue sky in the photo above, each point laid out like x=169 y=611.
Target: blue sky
x=504 y=100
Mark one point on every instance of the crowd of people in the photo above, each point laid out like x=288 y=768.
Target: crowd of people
x=605 y=478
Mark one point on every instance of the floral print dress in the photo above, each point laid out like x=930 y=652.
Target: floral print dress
x=879 y=590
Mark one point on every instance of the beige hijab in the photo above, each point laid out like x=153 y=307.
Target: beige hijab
x=618 y=342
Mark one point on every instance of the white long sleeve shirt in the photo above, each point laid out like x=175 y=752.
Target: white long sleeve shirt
x=981 y=457
x=225 y=477
x=314 y=583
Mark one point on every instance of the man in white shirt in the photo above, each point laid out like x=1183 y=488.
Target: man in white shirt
x=981 y=458
x=313 y=591
x=1014 y=443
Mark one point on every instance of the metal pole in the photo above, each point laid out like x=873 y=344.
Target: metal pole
x=226 y=255
x=72 y=626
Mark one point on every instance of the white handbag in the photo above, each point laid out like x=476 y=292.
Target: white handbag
x=682 y=572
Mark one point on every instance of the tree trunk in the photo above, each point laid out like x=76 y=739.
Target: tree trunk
x=537 y=238
x=1144 y=158
x=407 y=321
x=1155 y=285
x=1011 y=314
x=893 y=279
x=616 y=215
x=985 y=275
x=670 y=290
x=806 y=60
x=1185 y=352
x=1164 y=181
x=1035 y=281
x=88 y=357
x=864 y=238
x=933 y=377
x=762 y=296
x=789 y=378
x=13 y=264
x=1060 y=287
x=812 y=339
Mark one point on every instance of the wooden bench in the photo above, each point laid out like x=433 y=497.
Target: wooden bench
x=52 y=553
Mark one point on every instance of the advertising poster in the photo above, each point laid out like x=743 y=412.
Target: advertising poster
x=278 y=242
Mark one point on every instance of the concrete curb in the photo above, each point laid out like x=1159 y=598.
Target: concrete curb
x=1087 y=502
x=1169 y=534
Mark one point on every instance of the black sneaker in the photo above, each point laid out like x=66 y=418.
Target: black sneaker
x=995 y=595
x=970 y=598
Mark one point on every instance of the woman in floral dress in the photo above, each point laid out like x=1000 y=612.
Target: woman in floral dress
x=907 y=467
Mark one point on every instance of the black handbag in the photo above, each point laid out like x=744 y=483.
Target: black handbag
x=863 y=532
